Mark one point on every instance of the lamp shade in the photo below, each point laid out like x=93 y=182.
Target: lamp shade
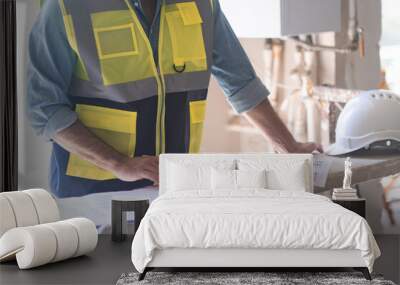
x=278 y=18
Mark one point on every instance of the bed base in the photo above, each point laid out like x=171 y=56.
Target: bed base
x=242 y=259
x=363 y=270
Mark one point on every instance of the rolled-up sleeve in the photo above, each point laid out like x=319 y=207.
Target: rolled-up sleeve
x=50 y=70
x=232 y=68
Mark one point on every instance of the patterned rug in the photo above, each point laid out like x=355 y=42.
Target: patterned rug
x=244 y=278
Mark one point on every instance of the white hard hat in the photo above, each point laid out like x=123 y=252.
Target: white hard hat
x=369 y=117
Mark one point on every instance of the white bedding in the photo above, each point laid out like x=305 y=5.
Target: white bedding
x=251 y=218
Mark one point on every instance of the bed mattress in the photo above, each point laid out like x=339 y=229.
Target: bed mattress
x=250 y=219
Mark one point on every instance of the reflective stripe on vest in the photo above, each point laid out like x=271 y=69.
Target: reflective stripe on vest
x=116 y=64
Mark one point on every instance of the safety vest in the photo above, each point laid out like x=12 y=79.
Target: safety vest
x=134 y=104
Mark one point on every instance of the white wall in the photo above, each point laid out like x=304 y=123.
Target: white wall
x=33 y=151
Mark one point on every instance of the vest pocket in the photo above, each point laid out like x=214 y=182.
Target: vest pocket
x=117 y=41
x=114 y=46
x=186 y=34
x=121 y=49
x=117 y=128
x=197 y=116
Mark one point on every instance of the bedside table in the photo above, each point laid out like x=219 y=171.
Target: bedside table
x=121 y=205
x=357 y=205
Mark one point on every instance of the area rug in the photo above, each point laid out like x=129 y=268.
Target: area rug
x=239 y=278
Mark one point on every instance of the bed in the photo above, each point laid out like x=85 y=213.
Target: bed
x=246 y=211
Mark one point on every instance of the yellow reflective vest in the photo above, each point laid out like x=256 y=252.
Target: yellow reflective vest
x=134 y=104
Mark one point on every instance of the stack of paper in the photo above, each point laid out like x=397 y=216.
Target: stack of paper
x=344 y=194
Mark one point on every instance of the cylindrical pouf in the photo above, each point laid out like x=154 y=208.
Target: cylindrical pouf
x=87 y=234
x=37 y=245
x=7 y=218
x=33 y=246
x=67 y=239
x=23 y=208
x=45 y=204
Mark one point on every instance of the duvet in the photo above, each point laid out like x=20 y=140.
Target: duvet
x=253 y=218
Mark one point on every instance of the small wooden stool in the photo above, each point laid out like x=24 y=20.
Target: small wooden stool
x=118 y=208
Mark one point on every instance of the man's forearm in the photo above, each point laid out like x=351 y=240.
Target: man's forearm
x=264 y=117
x=79 y=140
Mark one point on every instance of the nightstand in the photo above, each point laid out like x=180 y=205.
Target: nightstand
x=357 y=205
x=121 y=205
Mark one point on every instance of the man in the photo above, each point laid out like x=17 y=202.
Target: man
x=115 y=83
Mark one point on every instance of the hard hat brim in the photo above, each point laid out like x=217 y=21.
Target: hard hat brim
x=336 y=149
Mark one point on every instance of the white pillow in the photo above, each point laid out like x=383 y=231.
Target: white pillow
x=223 y=179
x=183 y=177
x=289 y=175
x=193 y=174
x=251 y=178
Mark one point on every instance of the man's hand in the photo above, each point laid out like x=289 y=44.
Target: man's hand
x=132 y=169
x=307 y=148
x=265 y=118
x=79 y=140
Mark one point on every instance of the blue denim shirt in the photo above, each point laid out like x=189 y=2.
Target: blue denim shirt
x=52 y=63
